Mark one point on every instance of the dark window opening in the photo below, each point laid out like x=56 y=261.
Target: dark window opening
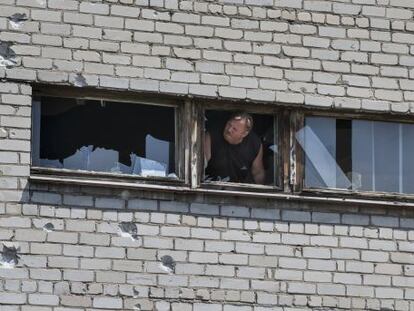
x=239 y=150
x=107 y=136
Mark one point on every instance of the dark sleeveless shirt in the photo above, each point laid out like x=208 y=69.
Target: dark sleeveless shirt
x=232 y=161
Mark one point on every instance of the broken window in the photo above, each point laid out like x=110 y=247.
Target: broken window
x=203 y=145
x=105 y=136
x=358 y=155
x=241 y=147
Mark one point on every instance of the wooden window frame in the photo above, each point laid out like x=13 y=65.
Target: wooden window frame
x=273 y=111
x=190 y=154
x=180 y=108
x=345 y=193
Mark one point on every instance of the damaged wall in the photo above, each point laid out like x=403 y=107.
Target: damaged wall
x=82 y=248
x=345 y=54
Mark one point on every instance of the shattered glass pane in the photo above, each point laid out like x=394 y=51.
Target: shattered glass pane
x=358 y=154
x=105 y=136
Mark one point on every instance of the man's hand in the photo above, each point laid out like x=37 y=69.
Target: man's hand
x=258 y=171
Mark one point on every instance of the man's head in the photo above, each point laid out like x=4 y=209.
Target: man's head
x=237 y=127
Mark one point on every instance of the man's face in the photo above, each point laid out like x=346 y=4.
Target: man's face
x=235 y=130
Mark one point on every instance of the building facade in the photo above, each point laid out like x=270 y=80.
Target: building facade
x=330 y=82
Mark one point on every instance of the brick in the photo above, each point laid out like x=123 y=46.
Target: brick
x=45 y=274
x=326 y=31
x=383 y=292
x=109 y=203
x=232 y=92
x=13 y=298
x=107 y=303
x=62 y=262
x=109 y=252
x=62 y=237
x=301 y=288
x=30 y=235
x=127 y=11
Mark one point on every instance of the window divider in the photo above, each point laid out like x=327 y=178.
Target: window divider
x=284 y=143
x=296 y=157
x=36 y=114
x=194 y=118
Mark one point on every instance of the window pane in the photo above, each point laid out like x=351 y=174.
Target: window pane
x=362 y=155
x=107 y=136
x=358 y=155
x=324 y=129
x=407 y=162
x=241 y=148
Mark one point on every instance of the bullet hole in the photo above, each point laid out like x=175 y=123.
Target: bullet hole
x=79 y=80
x=128 y=230
x=48 y=227
x=9 y=257
x=17 y=20
x=137 y=307
x=7 y=55
x=168 y=264
x=136 y=293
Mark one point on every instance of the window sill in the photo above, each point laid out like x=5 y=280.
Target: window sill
x=315 y=197
x=103 y=176
x=229 y=186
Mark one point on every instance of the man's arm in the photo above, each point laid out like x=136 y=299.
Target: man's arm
x=207 y=148
x=258 y=171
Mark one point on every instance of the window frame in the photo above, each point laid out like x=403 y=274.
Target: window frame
x=189 y=125
x=273 y=111
x=338 y=192
x=115 y=96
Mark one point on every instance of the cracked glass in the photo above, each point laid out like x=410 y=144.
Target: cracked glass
x=106 y=136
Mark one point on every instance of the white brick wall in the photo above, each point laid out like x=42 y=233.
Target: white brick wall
x=114 y=43
x=301 y=259
x=290 y=256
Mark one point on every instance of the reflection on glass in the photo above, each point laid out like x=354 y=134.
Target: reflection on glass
x=158 y=151
x=241 y=148
x=320 y=150
x=107 y=137
x=358 y=155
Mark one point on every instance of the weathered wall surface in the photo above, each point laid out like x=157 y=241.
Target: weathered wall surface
x=349 y=54
x=72 y=248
